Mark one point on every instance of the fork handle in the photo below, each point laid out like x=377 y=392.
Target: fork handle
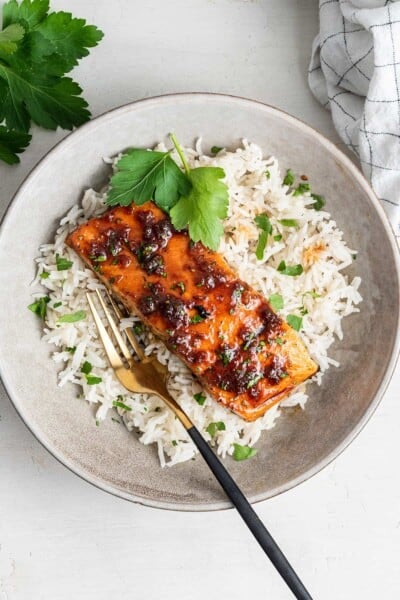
x=250 y=517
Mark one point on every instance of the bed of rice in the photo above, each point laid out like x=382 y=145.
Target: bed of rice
x=255 y=186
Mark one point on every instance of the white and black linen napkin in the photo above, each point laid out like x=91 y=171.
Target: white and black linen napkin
x=355 y=71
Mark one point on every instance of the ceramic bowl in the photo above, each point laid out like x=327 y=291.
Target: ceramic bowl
x=303 y=441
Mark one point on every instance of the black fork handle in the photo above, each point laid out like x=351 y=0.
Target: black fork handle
x=250 y=517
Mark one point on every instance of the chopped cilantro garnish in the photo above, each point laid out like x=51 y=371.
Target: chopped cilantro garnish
x=57 y=304
x=243 y=452
x=278 y=340
x=263 y=222
x=197 y=319
x=278 y=237
x=289 y=177
x=97 y=423
x=312 y=293
x=276 y=301
x=71 y=349
x=212 y=428
x=252 y=382
x=138 y=328
x=292 y=271
x=79 y=315
x=216 y=149
x=86 y=367
x=200 y=398
x=63 y=264
x=44 y=275
x=174 y=443
x=289 y=222
x=119 y=404
x=180 y=285
x=92 y=379
x=301 y=189
x=295 y=322
x=39 y=307
x=319 y=201
x=227 y=356
x=268 y=174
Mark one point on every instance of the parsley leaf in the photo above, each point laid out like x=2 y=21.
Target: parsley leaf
x=86 y=367
x=263 y=222
x=212 y=428
x=295 y=322
x=36 y=50
x=63 y=264
x=292 y=271
x=276 y=301
x=243 y=452
x=93 y=379
x=319 y=201
x=79 y=315
x=289 y=177
x=301 y=189
x=39 y=307
x=144 y=175
x=200 y=398
x=216 y=149
x=119 y=404
x=289 y=222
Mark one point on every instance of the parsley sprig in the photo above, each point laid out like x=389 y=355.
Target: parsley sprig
x=194 y=198
x=37 y=49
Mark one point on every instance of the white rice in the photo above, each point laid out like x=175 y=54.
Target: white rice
x=251 y=193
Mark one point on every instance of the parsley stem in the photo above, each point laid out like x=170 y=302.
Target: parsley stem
x=179 y=150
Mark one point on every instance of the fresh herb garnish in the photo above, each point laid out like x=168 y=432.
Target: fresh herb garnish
x=319 y=201
x=216 y=149
x=39 y=307
x=295 y=322
x=36 y=50
x=268 y=174
x=86 y=367
x=312 y=293
x=278 y=340
x=119 y=404
x=252 y=382
x=79 y=315
x=212 y=428
x=57 y=304
x=289 y=177
x=292 y=271
x=196 y=319
x=204 y=207
x=278 y=237
x=200 y=398
x=93 y=379
x=63 y=264
x=243 y=452
x=180 y=285
x=174 y=443
x=138 y=328
x=71 y=349
x=227 y=356
x=301 y=189
x=44 y=275
x=262 y=221
x=289 y=222
x=276 y=301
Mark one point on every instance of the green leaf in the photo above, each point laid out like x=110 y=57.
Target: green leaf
x=243 y=452
x=70 y=349
x=276 y=301
x=268 y=174
x=44 y=275
x=289 y=222
x=263 y=222
x=28 y=13
x=63 y=264
x=278 y=237
x=120 y=404
x=79 y=315
x=200 y=398
x=292 y=271
x=289 y=177
x=93 y=379
x=216 y=149
x=204 y=207
x=9 y=38
x=301 y=189
x=144 y=175
x=86 y=367
x=319 y=201
x=212 y=428
x=295 y=322
x=11 y=144
x=39 y=307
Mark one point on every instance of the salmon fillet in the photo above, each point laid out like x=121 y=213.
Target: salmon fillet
x=240 y=350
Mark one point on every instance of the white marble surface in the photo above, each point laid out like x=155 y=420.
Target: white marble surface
x=60 y=538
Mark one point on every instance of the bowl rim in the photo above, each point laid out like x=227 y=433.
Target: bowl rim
x=366 y=187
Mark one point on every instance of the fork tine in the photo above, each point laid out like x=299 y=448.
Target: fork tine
x=128 y=331
x=119 y=339
x=112 y=354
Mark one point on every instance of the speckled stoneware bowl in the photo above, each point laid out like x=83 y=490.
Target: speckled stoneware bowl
x=303 y=441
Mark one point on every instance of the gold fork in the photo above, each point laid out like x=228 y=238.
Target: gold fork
x=147 y=375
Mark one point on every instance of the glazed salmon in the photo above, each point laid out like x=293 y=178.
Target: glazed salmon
x=241 y=351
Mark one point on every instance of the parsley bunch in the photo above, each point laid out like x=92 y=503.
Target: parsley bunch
x=37 y=49
x=194 y=198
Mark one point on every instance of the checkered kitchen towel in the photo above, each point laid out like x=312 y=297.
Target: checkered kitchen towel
x=355 y=71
